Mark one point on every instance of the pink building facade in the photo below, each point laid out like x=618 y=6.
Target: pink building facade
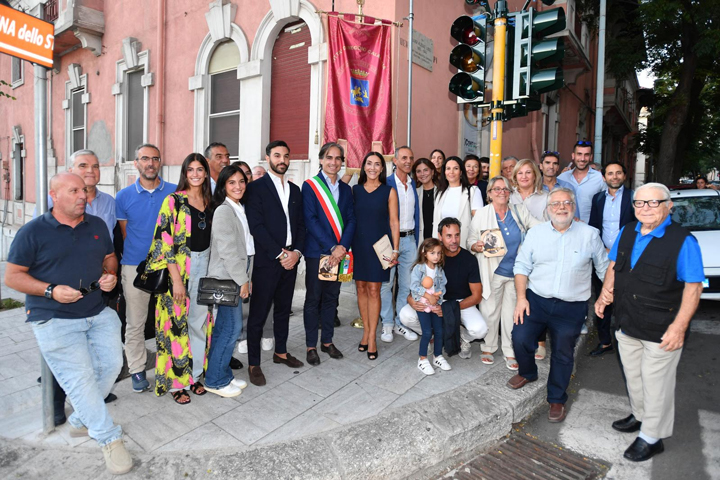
x=183 y=73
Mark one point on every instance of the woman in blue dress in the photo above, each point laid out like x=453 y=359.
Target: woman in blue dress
x=376 y=210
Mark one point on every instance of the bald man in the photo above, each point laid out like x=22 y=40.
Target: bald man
x=61 y=261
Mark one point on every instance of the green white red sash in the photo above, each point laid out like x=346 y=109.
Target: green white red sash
x=328 y=204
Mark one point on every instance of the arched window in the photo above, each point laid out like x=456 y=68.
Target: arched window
x=224 y=101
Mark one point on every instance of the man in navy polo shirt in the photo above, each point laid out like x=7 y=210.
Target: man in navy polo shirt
x=137 y=209
x=61 y=260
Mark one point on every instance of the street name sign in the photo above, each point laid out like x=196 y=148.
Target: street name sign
x=26 y=37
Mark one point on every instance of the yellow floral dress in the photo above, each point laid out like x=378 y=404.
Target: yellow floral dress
x=171 y=244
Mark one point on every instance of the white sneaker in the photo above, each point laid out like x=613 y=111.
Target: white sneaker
x=229 y=390
x=239 y=382
x=441 y=363
x=387 y=334
x=584 y=330
x=425 y=367
x=267 y=344
x=407 y=333
x=242 y=346
x=464 y=349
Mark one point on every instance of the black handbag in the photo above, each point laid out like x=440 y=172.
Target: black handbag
x=213 y=291
x=151 y=282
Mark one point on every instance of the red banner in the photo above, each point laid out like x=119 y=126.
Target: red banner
x=359 y=109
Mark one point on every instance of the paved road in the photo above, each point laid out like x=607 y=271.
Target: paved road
x=598 y=398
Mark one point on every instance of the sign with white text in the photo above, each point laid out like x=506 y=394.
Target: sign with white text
x=24 y=36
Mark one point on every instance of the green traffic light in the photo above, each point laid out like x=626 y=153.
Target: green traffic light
x=548 y=51
x=548 y=22
x=546 y=80
x=468 y=87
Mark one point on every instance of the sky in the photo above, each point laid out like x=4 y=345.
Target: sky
x=646 y=78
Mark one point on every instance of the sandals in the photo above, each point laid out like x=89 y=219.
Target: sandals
x=181 y=397
x=372 y=355
x=487 y=358
x=540 y=353
x=362 y=347
x=511 y=364
x=197 y=386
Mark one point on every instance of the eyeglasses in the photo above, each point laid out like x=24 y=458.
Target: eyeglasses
x=556 y=205
x=202 y=224
x=649 y=203
x=583 y=143
x=148 y=159
x=498 y=190
x=93 y=286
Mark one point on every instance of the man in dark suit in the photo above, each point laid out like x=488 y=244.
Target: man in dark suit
x=330 y=223
x=611 y=210
x=275 y=217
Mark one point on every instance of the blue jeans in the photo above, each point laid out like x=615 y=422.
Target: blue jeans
x=563 y=321
x=431 y=325
x=226 y=331
x=197 y=314
x=408 y=251
x=85 y=356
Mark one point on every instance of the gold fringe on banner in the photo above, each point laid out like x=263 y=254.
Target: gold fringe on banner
x=361 y=17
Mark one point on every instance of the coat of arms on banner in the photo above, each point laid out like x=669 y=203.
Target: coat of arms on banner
x=359 y=92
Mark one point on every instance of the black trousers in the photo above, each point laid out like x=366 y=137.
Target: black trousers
x=272 y=285
x=321 y=301
x=602 y=324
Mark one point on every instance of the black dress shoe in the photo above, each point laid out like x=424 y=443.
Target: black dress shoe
x=627 y=424
x=640 y=450
x=235 y=364
x=600 y=350
x=312 y=357
x=337 y=321
x=290 y=361
x=332 y=351
x=111 y=397
x=256 y=376
x=60 y=418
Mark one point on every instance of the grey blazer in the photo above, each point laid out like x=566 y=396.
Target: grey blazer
x=228 y=256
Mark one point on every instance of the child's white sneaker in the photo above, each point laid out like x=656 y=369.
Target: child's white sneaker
x=441 y=363
x=425 y=367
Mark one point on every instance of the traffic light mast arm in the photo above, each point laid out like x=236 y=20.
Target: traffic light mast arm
x=496 y=127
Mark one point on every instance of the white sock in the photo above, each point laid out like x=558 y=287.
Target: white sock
x=650 y=440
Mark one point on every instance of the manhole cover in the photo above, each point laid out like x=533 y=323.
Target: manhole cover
x=521 y=457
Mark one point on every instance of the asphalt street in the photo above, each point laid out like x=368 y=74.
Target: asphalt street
x=598 y=397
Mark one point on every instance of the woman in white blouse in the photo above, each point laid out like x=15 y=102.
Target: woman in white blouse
x=455 y=197
x=528 y=189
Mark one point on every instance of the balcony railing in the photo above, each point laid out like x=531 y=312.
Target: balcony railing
x=50 y=10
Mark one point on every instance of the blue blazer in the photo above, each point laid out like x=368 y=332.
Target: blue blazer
x=267 y=222
x=391 y=181
x=319 y=236
x=627 y=212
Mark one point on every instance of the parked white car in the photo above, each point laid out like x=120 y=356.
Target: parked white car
x=699 y=212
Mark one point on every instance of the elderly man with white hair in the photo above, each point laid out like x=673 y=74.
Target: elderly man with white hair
x=656 y=269
x=552 y=279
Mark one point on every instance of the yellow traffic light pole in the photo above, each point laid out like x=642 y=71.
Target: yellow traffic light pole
x=496 y=127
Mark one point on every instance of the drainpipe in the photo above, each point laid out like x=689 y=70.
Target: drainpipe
x=597 y=144
x=160 y=134
x=411 y=17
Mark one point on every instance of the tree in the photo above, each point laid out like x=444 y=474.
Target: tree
x=682 y=45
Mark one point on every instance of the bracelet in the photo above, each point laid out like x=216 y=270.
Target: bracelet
x=396 y=251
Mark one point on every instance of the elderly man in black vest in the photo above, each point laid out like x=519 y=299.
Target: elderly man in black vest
x=655 y=277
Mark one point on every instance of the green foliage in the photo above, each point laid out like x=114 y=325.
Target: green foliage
x=9 y=304
x=3 y=83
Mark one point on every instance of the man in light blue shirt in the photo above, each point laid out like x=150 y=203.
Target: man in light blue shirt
x=585 y=180
x=86 y=165
x=552 y=278
x=138 y=206
x=550 y=166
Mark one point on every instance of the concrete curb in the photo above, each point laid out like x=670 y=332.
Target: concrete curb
x=419 y=440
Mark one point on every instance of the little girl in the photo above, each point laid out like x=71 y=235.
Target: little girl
x=429 y=264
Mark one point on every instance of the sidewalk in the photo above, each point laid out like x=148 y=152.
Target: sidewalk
x=349 y=418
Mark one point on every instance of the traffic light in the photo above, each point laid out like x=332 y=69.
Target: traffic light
x=535 y=61
x=469 y=57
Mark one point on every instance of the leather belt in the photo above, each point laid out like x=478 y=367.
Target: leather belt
x=408 y=233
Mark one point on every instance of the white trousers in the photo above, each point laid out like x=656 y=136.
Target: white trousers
x=470 y=318
x=650 y=375
x=498 y=311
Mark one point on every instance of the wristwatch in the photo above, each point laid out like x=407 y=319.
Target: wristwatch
x=49 y=290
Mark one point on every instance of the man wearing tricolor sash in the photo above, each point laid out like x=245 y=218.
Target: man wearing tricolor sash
x=330 y=224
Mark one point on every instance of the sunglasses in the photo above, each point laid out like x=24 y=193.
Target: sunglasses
x=202 y=224
x=548 y=153
x=93 y=286
x=584 y=143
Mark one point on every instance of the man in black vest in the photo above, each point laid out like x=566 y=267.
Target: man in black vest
x=656 y=270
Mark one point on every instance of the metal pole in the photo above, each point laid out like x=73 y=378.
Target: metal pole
x=41 y=193
x=496 y=127
x=599 y=100
x=411 y=17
